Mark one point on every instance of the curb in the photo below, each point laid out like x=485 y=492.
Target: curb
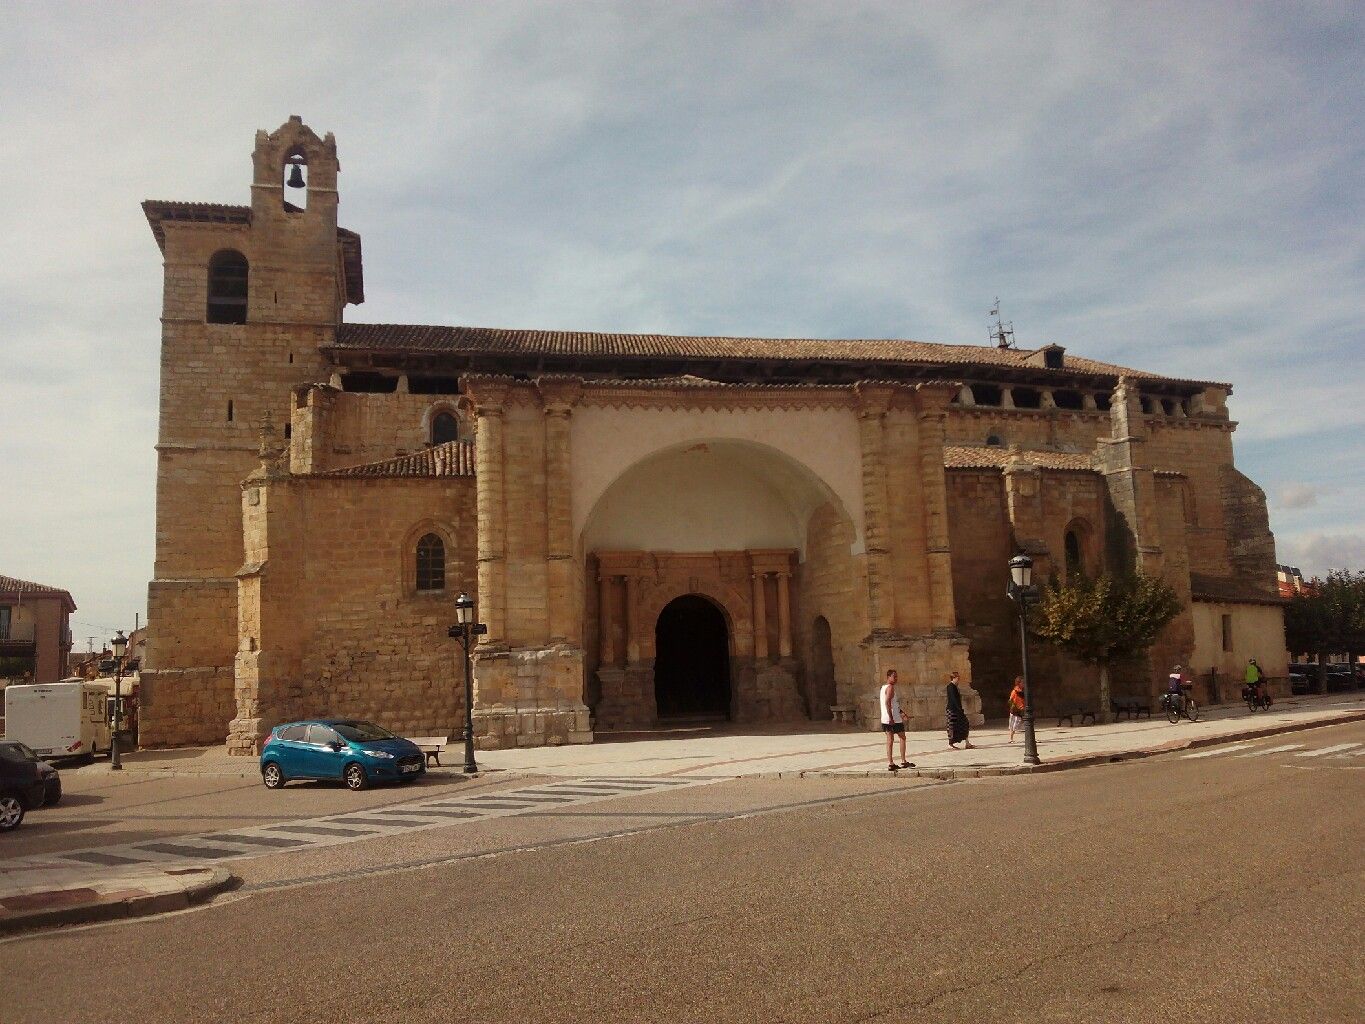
x=1088 y=760
x=132 y=906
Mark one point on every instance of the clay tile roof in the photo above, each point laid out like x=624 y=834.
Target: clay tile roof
x=498 y=341
x=454 y=458
x=994 y=457
x=1231 y=590
x=10 y=585
x=159 y=211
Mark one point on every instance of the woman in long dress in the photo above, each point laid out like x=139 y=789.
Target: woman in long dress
x=958 y=726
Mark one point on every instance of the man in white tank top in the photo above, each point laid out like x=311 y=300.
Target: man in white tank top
x=893 y=721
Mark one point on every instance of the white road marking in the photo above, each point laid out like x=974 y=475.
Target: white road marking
x=342 y=827
x=1216 y=752
x=1273 y=750
x=1328 y=750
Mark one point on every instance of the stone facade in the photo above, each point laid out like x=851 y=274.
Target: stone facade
x=811 y=513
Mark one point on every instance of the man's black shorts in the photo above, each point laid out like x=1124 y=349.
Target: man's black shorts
x=895 y=728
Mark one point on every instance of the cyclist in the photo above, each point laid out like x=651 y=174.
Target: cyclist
x=1176 y=684
x=1255 y=682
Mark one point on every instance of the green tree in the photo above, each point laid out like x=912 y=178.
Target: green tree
x=1104 y=619
x=1328 y=617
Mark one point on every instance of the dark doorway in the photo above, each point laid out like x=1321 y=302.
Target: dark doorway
x=822 y=691
x=691 y=660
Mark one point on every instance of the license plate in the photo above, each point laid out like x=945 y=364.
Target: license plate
x=410 y=768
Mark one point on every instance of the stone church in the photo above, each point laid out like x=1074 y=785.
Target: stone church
x=655 y=528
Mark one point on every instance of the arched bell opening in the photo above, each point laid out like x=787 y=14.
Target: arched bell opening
x=691 y=661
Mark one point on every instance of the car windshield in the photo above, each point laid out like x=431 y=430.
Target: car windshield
x=362 y=732
x=16 y=751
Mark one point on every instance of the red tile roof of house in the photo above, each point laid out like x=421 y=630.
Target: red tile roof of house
x=995 y=457
x=454 y=458
x=10 y=585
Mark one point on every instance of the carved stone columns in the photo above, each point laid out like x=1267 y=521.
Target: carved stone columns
x=558 y=397
x=488 y=398
x=760 y=618
x=784 y=615
x=874 y=400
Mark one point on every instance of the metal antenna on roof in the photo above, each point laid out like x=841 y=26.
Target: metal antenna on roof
x=1000 y=332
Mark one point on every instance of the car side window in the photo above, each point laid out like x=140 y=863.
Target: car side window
x=294 y=733
x=321 y=734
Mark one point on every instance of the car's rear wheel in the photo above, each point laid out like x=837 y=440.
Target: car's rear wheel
x=11 y=811
x=355 y=777
x=272 y=776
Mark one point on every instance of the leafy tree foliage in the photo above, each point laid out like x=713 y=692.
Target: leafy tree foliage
x=1103 y=619
x=1328 y=616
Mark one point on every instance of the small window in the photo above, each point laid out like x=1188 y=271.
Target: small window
x=444 y=427
x=5 y=614
x=294 y=733
x=1027 y=398
x=366 y=383
x=228 y=272
x=1075 y=565
x=1227 y=632
x=431 y=563
x=994 y=441
x=229 y=410
x=1053 y=358
x=1102 y=401
x=322 y=734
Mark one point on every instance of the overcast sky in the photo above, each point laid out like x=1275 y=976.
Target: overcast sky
x=1176 y=187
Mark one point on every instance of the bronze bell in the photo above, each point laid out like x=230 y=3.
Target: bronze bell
x=295 y=176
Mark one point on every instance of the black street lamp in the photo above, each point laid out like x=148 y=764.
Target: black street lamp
x=465 y=631
x=118 y=645
x=1021 y=591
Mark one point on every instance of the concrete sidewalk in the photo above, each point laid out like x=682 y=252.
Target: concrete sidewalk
x=44 y=895
x=732 y=751
x=825 y=749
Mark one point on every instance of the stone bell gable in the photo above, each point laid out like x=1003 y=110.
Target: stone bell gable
x=657 y=528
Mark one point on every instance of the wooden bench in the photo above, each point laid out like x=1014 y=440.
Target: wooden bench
x=1075 y=710
x=430 y=745
x=1131 y=706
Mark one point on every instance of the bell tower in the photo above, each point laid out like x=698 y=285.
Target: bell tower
x=252 y=295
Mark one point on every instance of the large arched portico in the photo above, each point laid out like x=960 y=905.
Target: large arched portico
x=730 y=521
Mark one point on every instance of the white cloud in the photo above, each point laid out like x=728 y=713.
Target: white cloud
x=1293 y=495
x=1318 y=554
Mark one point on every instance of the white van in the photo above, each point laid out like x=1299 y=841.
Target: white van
x=59 y=719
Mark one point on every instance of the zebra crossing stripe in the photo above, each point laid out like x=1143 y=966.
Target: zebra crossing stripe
x=1217 y=751
x=1328 y=750
x=1273 y=750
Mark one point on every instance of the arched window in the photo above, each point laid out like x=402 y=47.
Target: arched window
x=993 y=441
x=431 y=563
x=227 y=288
x=1077 y=549
x=444 y=427
x=1074 y=565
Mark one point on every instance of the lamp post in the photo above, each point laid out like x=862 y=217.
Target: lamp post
x=465 y=630
x=118 y=645
x=1021 y=591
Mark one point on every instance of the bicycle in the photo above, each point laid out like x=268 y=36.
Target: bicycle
x=1177 y=704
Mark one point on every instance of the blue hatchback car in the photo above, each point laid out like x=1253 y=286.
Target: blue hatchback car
x=358 y=753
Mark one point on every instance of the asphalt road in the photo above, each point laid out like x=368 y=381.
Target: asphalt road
x=1213 y=888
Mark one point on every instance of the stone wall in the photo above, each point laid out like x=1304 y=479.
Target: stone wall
x=332 y=623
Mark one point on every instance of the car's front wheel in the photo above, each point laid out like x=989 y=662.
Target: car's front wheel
x=11 y=811
x=355 y=777
x=272 y=776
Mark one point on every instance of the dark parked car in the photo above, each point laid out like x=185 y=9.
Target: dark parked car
x=357 y=753
x=25 y=783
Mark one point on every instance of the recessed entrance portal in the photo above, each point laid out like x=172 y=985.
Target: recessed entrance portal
x=691 y=660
